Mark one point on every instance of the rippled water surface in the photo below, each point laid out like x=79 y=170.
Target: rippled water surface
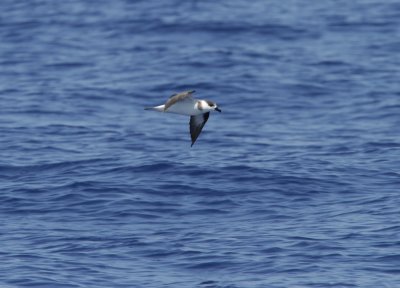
x=295 y=184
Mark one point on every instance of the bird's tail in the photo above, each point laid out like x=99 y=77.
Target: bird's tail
x=156 y=108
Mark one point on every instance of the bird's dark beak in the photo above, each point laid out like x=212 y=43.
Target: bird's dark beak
x=217 y=109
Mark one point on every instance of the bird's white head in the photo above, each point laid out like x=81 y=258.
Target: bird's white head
x=210 y=106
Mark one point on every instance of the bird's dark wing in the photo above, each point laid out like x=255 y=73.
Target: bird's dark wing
x=183 y=96
x=196 y=125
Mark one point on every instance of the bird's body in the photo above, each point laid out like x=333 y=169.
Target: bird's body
x=184 y=104
x=184 y=108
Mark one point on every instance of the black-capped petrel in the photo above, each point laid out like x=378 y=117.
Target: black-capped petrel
x=183 y=103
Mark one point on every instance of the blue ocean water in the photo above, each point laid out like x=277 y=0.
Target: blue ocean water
x=295 y=184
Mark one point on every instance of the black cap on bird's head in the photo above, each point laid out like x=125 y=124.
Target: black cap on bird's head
x=213 y=105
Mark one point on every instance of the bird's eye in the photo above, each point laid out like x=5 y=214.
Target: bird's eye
x=210 y=104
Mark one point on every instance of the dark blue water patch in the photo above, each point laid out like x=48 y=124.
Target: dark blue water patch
x=44 y=282
x=64 y=166
x=211 y=265
x=67 y=65
x=333 y=285
x=164 y=167
x=214 y=284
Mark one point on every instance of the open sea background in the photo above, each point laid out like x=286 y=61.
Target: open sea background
x=295 y=184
